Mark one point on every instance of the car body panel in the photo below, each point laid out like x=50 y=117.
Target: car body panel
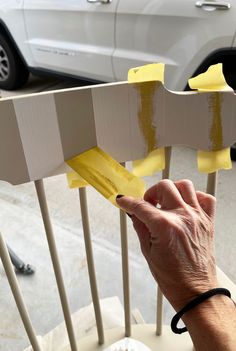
x=12 y=19
x=75 y=37
x=102 y=41
x=234 y=40
x=174 y=32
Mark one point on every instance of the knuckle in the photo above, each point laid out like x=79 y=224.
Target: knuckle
x=185 y=182
x=164 y=183
x=211 y=199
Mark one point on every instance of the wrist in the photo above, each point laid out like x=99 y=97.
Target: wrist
x=191 y=294
x=210 y=309
x=191 y=305
x=213 y=322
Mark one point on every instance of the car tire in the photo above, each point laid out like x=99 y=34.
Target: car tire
x=233 y=152
x=13 y=73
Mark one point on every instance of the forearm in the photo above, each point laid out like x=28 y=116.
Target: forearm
x=212 y=324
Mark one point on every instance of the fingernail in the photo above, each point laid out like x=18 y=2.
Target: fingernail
x=119 y=196
x=129 y=215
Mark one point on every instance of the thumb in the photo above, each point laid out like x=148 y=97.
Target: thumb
x=142 y=209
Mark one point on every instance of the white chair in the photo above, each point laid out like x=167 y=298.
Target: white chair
x=38 y=133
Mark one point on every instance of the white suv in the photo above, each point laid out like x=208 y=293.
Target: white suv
x=101 y=39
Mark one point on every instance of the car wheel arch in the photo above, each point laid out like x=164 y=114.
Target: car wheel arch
x=14 y=70
x=227 y=56
x=7 y=34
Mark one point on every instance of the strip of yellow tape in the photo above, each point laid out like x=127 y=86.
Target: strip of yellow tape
x=75 y=181
x=155 y=160
x=106 y=175
x=212 y=80
x=147 y=73
x=212 y=161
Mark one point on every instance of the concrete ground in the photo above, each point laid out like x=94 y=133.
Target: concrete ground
x=21 y=225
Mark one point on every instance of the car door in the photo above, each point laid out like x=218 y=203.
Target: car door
x=72 y=36
x=181 y=34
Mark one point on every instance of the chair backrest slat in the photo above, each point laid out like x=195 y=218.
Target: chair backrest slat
x=91 y=267
x=55 y=261
x=159 y=316
x=18 y=297
x=125 y=272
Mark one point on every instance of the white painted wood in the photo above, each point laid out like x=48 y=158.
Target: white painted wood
x=128 y=344
x=56 y=262
x=91 y=266
x=144 y=333
x=137 y=316
x=159 y=316
x=112 y=119
x=40 y=135
x=76 y=123
x=125 y=272
x=12 y=156
x=212 y=183
x=51 y=127
x=16 y=292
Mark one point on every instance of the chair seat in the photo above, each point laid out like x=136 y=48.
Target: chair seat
x=145 y=333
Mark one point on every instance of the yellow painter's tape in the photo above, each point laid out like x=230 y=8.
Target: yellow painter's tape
x=150 y=164
x=212 y=161
x=155 y=160
x=106 y=175
x=147 y=73
x=213 y=80
x=75 y=181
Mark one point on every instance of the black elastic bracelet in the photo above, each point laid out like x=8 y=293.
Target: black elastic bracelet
x=199 y=299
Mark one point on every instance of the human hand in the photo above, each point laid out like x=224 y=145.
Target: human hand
x=176 y=238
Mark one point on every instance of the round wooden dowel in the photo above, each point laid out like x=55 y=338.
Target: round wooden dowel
x=125 y=272
x=159 y=317
x=11 y=276
x=91 y=267
x=55 y=261
x=212 y=183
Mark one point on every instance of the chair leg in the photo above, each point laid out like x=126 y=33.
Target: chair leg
x=212 y=183
x=39 y=186
x=15 y=288
x=159 y=315
x=20 y=266
x=91 y=266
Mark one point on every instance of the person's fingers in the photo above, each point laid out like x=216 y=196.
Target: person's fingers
x=165 y=194
x=187 y=191
x=142 y=209
x=207 y=203
x=143 y=235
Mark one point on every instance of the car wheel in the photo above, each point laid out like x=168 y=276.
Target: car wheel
x=233 y=152
x=13 y=73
